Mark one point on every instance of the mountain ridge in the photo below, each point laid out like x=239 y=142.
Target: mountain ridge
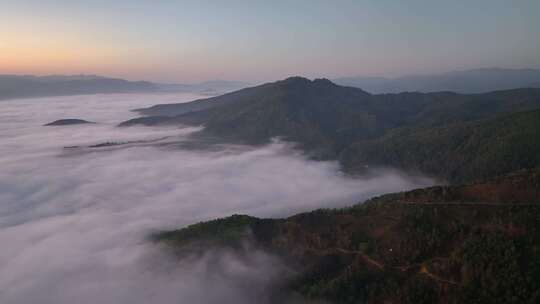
x=466 y=81
x=327 y=120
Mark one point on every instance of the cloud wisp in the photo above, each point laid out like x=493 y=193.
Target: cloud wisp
x=74 y=226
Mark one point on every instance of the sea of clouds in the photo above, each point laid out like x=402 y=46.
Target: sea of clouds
x=74 y=222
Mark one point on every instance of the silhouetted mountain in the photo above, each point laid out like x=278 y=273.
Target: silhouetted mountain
x=416 y=131
x=473 y=243
x=314 y=113
x=470 y=81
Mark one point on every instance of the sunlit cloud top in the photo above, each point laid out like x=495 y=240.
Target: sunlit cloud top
x=263 y=40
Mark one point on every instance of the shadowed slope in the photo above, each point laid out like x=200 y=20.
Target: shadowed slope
x=459 y=152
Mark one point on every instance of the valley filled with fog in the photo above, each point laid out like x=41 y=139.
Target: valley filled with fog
x=74 y=221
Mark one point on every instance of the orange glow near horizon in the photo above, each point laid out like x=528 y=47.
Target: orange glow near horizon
x=179 y=41
x=68 y=56
x=40 y=52
x=34 y=51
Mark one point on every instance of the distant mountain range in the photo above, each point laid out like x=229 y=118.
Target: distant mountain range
x=457 y=137
x=213 y=87
x=17 y=86
x=469 y=81
x=14 y=86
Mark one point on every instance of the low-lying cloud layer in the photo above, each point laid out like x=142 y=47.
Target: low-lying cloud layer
x=73 y=224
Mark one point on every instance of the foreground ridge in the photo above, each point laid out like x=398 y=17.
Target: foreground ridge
x=445 y=244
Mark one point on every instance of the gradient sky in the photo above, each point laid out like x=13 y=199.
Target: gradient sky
x=188 y=41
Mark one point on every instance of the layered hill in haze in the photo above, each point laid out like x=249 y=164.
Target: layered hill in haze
x=16 y=86
x=469 y=81
x=444 y=134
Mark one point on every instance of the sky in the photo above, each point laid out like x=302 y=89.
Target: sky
x=191 y=41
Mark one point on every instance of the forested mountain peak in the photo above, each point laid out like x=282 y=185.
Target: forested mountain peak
x=329 y=121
